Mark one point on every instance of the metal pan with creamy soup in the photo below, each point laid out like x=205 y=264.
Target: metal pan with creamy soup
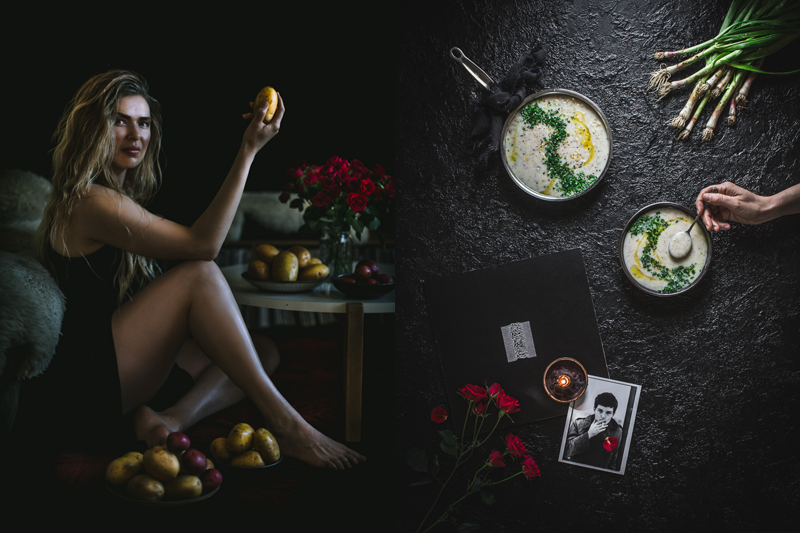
x=556 y=145
x=644 y=250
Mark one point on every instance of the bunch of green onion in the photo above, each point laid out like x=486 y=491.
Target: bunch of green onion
x=752 y=30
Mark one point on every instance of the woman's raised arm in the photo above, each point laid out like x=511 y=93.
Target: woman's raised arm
x=106 y=217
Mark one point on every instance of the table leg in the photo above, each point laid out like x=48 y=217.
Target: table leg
x=353 y=369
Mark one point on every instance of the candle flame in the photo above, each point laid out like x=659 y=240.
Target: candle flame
x=563 y=381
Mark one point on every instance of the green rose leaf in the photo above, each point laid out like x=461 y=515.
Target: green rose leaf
x=417 y=459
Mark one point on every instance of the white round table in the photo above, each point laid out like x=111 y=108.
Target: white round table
x=324 y=299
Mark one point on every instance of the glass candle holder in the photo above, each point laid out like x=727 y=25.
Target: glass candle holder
x=565 y=380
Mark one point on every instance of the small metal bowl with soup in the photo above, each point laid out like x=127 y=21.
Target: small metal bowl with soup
x=556 y=145
x=644 y=250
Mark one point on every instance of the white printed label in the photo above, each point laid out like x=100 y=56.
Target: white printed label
x=518 y=341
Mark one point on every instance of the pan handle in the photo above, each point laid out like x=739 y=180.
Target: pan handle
x=471 y=67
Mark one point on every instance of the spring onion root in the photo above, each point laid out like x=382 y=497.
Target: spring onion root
x=751 y=31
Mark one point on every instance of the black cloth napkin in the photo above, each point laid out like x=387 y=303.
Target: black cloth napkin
x=493 y=106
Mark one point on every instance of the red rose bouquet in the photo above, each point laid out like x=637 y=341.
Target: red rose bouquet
x=484 y=404
x=339 y=195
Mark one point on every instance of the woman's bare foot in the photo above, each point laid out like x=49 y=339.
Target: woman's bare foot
x=152 y=427
x=307 y=444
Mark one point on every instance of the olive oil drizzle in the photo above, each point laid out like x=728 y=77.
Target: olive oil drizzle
x=569 y=182
x=652 y=226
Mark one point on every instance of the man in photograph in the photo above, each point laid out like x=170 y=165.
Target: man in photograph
x=594 y=440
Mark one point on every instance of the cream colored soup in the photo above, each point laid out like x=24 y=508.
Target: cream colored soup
x=580 y=157
x=652 y=265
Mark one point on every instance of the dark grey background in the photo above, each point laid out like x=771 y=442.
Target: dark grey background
x=715 y=442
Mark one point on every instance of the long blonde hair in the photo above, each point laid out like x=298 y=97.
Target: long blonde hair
x=83 y=155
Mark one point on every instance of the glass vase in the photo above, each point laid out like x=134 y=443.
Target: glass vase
x=336 y=250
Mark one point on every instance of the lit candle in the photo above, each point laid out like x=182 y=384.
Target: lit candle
x=563 y=381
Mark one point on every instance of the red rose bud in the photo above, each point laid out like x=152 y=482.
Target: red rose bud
x=480 y=408
x=473 y=393
x=507 y=403
x=529 y=468
x=610 y=444
x=496 y=458
x=495 y=389
x=438 y=415
x=515 y=445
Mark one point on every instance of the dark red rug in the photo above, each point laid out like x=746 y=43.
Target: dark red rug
x=292 y=493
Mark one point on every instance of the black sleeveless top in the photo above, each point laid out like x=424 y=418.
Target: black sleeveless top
x=79 y=392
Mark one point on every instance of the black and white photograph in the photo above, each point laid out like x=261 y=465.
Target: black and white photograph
x=600 y=425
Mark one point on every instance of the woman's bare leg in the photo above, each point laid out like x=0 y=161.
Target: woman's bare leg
x=194 y=300
x=213 y=391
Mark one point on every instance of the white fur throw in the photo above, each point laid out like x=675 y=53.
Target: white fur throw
x=31 y=304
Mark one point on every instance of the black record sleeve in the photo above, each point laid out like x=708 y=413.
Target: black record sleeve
x=469 y=311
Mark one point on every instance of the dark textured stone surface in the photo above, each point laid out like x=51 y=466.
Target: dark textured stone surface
x=714 y=446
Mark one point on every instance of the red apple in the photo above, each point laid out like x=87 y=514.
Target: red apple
x=362 y=272
x=384 y=278
x=373 y=266
x=194 y=462
x=347 y=279
x=178 y=442
x=211 y=479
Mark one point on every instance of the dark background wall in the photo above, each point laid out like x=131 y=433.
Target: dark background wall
x=333 y=66
x=714 y=447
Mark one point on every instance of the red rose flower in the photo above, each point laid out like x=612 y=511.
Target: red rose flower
x=495 y=389
x=473 y=393
x=515 y=445
x=610 y=444
x=328 y=183
x=390 y=189
x=379 y=171
x=496 y=458
x=357 y=202
x=284 y=197
x=367 y=187
x=507 y=403
x=320 y=199
x=480 y=408
x=529 y=468
x=438 y=415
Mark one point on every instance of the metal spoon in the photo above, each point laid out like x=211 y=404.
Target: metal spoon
x=681 y=243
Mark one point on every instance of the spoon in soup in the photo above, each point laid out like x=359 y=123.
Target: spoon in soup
x=681 y=243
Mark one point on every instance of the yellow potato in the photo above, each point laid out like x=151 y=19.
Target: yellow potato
x=248 y=459
x=266 y=253
x=267 y=94
x=122 y=469
x=183 y=487
x=285 y=267
x=303 y=255
x=312 y=272
x=240 y=439
x=209 y=464
x=219 y=450
x=265 y=444
x=314 y=261
x=145 y=487
x=258 y=269
x=161 y=463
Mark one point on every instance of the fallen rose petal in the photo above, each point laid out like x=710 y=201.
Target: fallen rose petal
x=438 y=415
x=610 y=444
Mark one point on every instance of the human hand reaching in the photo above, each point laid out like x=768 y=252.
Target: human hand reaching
x=257 y=133
x=732 y=203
